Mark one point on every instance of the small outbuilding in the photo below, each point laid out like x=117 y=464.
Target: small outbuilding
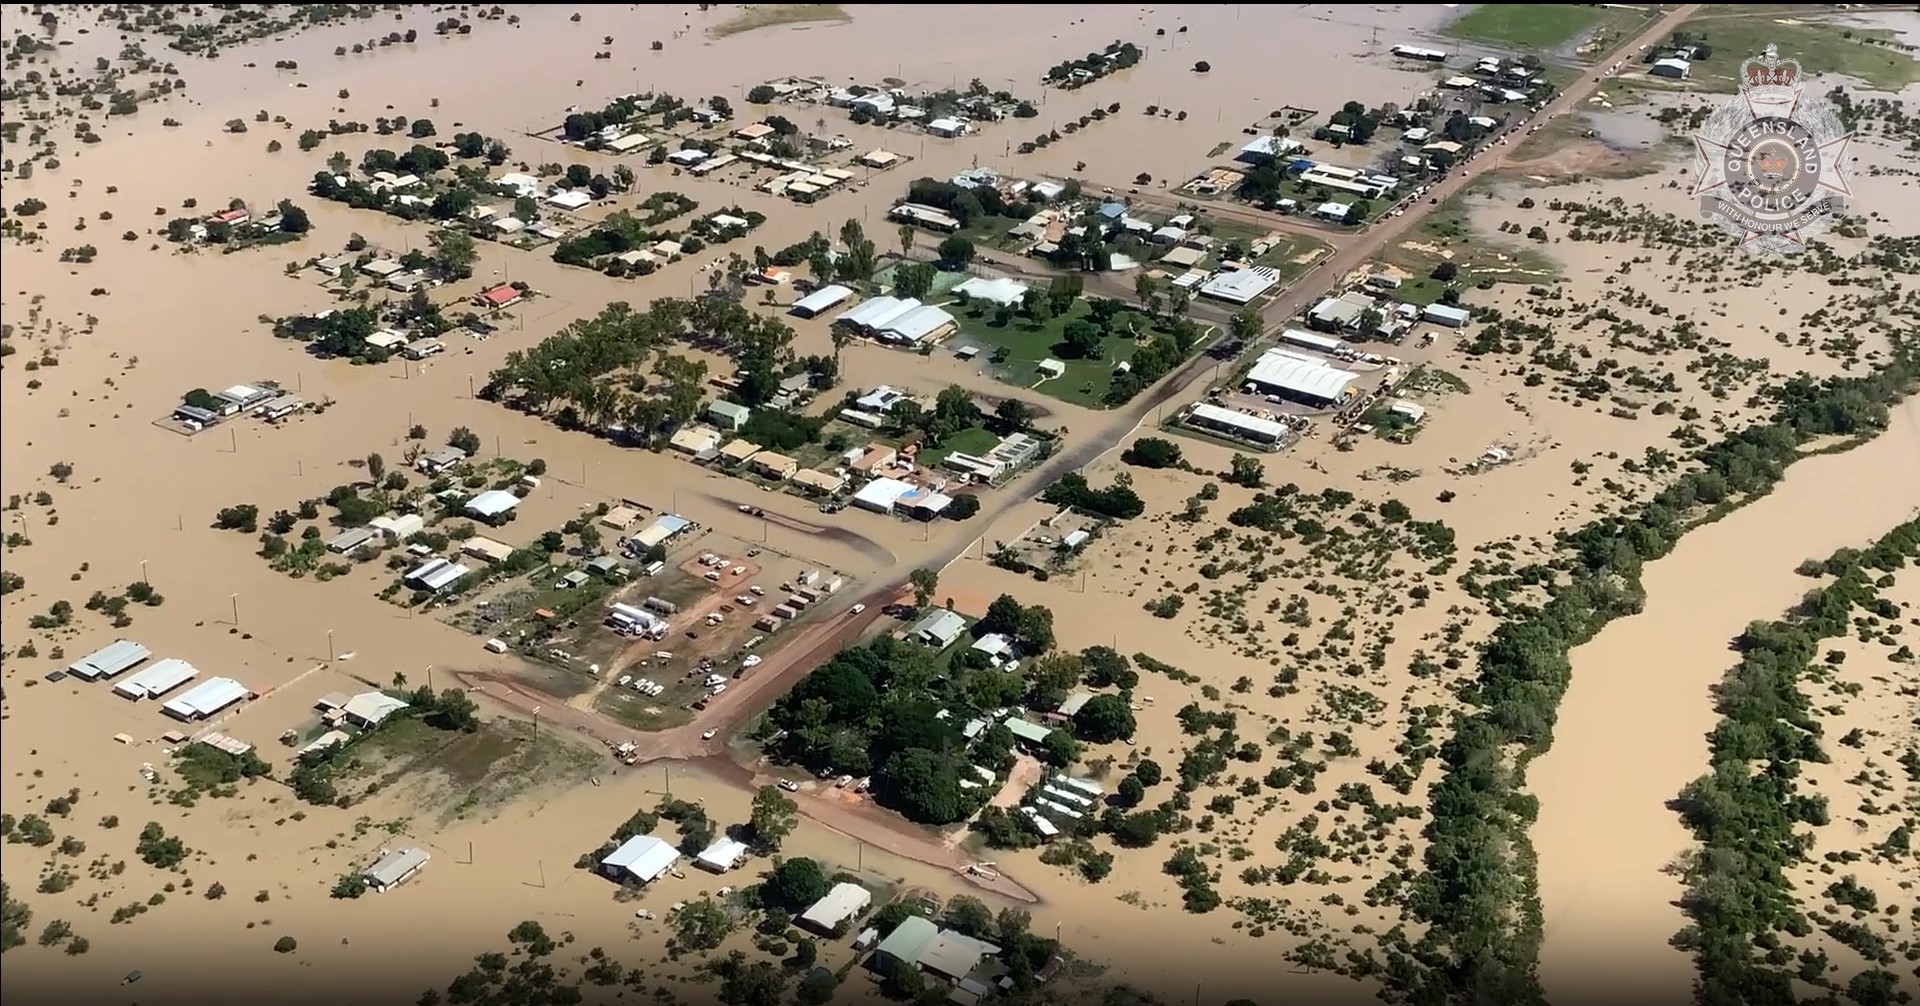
x=841 y=905
x=395 y=868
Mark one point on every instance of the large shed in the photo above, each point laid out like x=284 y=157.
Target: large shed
x=642 y=859
x=157 y=680
x=206 y=699
x=114 y=658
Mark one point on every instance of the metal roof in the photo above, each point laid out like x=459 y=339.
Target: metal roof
x=109 y=660
x=642 y=856
x=395 y=867
x=820 y=300
x=908 y=939
x=207 y=698
x=493 y=503
x=840 y=904
x=158 y=680
x=1301 y=376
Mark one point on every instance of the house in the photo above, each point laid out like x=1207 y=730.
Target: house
x=903 y=946
x=754 y=132
x=333 y=265
x=1672 y=68
x=940 y=628
x=434 y=575
x=1002 y=290
x=1333 y=212
x=688 y=157
x=1265 y=149
x=842 y=905
x=486 y=549
x=1184 y=257
x=949 y=128
x=381 y=268
x=606 y=567
x=996 y=645
x=1301 y=379
x=115 y=658
x=571 y=199
x=641 y=859
x=925 y=216
x=692 y=440
x=872 y=458
x=881 y=494
x=620 y=518
x=399 y=529
x=1409 y=411
x=207 y=699
x=1342 y=313
x=232 y=218
x=1051 y=367
x=1416 y=136
x=821 y=300
x=738 y=451
x=727 y=415
x=1013 y=452
x=441 y=461
x=368 y=710
x=496 y=297
x=1445 y=314
x=721 y=856
x=774 y=465
x=395 y=868
x=492 y=504
x=1416 y=52
x=241 y=397
x=953 y=956
x=625 y=144
x=824 y=483
x=1242 y=285
x=347 y=541
x=521 y=184
x=879 y=159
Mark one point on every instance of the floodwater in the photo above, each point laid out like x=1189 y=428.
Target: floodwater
x=1633 y=725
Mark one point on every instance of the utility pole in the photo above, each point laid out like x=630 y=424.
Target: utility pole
x=235 y=598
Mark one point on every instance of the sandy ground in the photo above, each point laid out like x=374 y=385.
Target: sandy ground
x=1380 y=631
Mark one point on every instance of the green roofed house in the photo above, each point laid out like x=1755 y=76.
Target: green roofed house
x=728 y=415
x=904 y=945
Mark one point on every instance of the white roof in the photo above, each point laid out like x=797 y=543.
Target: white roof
x=917 y=324
x=572 y=199
x=946 y=125
x=722 y=855
x=1002 y=290
x=1241 y=286
x=690 y=155
x=1301 y=375
x=493 y=503
x=161 y=678
x=400 y=527
x=1271 y=146
x=1302 y=337
x=435 y=574
x=526 y=184
x=882 y=493
x=1447 y=312
x=1046 y=828
x=109 y=660
x=821 y=299
x=396 y=866
x=373 y=707
x=509 y=225
x=1409 y=410
x=207 y=698
x=879 y=311
x=840 y=904
x=1075 y=703
x=1269 y=428
x=643 y=856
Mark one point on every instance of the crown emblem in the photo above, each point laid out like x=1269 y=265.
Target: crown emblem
x=1770 y=78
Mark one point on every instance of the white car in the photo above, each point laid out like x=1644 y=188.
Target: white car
x=709 y=735
x=752 y=660
x=856 y=609
x=789 y=785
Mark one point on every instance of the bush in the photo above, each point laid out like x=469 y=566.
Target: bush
x=1153 y=452
x=285 y=945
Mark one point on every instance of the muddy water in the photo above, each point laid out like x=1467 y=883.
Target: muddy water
x=1632 y=728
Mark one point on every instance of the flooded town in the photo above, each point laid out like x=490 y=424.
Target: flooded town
x=1122 y=505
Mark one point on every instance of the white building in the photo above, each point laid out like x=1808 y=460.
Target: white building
x=1238 y=425
x=1673 y=68
x=1002 y=291
x=642 y=859
x=1445 y=314
x=435 y=575
x=842 y=904
x=206 y=699
x=115 y=658
x=881 y=494
x=1241 y=286
x=395 y=868
x=721 y=856
x=492 y=503
x=1301 y=379
x=823 y=299
x=949 y=128
x=572 y=199
x=368 y=710
x=157 y=680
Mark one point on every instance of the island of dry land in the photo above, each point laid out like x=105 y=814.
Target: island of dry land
x=797 y=506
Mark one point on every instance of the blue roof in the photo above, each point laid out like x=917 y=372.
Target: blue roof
x=1300 y=164
x=672 y=523
x=1113 y=211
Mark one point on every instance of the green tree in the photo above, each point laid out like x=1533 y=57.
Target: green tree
x=793 y=884
x=454 y=253
x=773 y=818
x=700 y=926
x=293 y=219
x=925 y=582
x=969 y=915
x=376 y=466
x=956 y=251
x=817 y=988
x=1104 y=719
x=1245 y=471
x=1061 y=750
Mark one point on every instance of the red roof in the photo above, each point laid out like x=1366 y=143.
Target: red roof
x=502 y=294
x=231 y=215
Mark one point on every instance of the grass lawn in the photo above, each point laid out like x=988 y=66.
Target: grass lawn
x=972 y=440
x=1479 y=257
x=1294 y=255
x=1026 y=344
x=990 y=231
x=1534 y=26
x=1823 y=48
x=770 y=15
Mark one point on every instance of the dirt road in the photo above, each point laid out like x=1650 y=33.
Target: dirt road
x=813 y=646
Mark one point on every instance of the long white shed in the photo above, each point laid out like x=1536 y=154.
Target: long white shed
x=158 y=680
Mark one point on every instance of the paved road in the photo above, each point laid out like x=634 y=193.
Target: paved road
x=815 y=645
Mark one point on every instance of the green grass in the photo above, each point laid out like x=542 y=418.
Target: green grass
x=1281 y=257
x=1027 y=343
x=972 y=440
x=990 y=231
x=1824 y=49
x=775 y=14
x=1536 y=26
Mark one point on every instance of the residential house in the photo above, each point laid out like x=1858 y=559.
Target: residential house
x=940 y=628
x=730 y=416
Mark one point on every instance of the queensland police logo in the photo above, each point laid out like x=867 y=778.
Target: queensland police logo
x=1771 y=163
